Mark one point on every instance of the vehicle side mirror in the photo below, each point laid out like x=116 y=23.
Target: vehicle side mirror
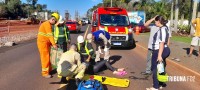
x=94 y=24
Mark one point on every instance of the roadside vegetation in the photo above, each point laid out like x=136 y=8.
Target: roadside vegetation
x=173 y=10
x=15 y=9
x=181 y=39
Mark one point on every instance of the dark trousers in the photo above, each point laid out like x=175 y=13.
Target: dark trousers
x=165 y=54
x=63 y=46
x=101 y=64
x=94 y=67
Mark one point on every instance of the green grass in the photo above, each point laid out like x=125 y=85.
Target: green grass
x=181 y=39
x=176 y=38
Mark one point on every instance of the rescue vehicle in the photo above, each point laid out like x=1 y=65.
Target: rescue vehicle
x=115 y=21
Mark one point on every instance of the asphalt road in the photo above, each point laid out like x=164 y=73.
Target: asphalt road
x=20 y=69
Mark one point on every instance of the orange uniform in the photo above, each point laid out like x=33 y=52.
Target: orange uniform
x=44 y=41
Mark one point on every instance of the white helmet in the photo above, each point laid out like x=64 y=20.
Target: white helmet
x=60 y=20
x=80 y=39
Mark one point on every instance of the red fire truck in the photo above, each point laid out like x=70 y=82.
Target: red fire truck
x=116 y=22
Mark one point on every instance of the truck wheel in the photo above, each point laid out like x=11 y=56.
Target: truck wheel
x=77 y=31
x=132 y=44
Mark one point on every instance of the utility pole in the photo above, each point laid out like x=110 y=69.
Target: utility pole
x=66 y=15
x=76 y=15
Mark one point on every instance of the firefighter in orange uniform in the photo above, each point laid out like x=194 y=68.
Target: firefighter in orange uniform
x=44 y=41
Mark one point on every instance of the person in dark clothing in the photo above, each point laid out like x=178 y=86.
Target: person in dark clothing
x=160 y=50
x=88 y=56
x=61 y=34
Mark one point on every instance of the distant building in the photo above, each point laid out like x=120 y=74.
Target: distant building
x=41 y=15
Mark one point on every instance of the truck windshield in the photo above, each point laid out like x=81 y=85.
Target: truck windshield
x=114 y=20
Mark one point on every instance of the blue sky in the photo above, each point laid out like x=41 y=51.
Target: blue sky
x=71 y=5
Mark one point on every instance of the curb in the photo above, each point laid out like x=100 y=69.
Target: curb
x=179 y=66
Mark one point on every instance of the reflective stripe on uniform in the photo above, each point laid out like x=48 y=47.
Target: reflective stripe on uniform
x=90 y=50
x=56 y=34
x=65 y=29
x=79 y=47
x=61 y=35
x=45 y=69
x=45 y=34
x=86 y=49
x=84 y=53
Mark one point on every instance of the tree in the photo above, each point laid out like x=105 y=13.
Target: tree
x=153 y=8
x=184 y=9
x=32 y=2
x=39 y=7
x=89 y=12
x=44 y=7
x=2 y=10
x=13 y=8
x=176 y=16
x=194 y=13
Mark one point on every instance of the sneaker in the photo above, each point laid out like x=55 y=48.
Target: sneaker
x=151 y=88
x=47 y=76
x=162 y=86
x=63 y=80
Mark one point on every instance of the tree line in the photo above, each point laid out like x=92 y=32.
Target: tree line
x=15 y=9
x=173 y=10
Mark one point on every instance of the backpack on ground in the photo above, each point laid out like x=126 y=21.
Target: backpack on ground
x=90 y=85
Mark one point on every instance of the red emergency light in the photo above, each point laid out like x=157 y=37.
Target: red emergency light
x=113 y=9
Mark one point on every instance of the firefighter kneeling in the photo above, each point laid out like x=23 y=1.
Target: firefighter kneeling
x=70 y=65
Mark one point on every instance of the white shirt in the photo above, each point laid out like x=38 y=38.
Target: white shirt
x=162 y=35
x=153 y=30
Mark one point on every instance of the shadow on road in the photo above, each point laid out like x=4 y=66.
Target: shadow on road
x=139 y=78
x=114 y=59
x=125 y=48
x=74 y=32
x=195 y=52
x=53 y=72
x=69 y=85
